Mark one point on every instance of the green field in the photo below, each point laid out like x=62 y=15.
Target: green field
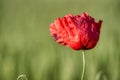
x=26 y=46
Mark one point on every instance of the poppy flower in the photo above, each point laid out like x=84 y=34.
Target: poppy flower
x=79 y=32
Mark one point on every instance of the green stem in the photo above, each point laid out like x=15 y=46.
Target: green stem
x=83 y=71
x=22 y=77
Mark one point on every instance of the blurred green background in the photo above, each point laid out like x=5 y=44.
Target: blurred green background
x=26 y=46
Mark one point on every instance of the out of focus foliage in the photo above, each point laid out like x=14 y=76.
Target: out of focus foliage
x=26 y=46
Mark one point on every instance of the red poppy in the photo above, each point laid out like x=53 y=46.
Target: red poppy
x=78 y=32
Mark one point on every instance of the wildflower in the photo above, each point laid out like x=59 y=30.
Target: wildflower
x=79 y=32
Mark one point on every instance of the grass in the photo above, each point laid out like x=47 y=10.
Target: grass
x=26 y=46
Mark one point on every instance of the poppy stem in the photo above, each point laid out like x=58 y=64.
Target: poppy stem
x=83 y=71
x=22 y=77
